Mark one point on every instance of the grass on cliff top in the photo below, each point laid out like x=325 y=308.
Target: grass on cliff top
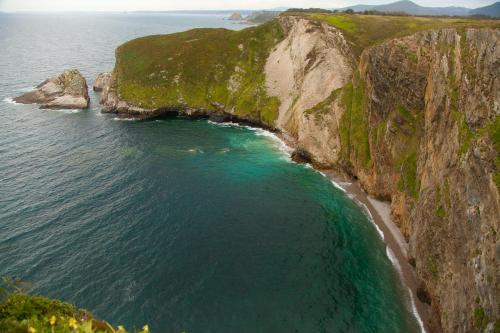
x=201 y=68
x=367 y=30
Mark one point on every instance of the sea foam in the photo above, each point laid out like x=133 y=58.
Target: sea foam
x=415 y=312
x=280 y=144
x=124 y=119
x=10 y=100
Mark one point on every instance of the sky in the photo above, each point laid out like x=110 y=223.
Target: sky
x=130 y=5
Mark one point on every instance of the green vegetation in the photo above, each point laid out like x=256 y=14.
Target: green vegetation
x=21 y=313
x=481 y=319
x=367 y=30
x=201 y=68
x=409 y=125
x=354 y=125
x=434 y=267
x=326 y=105
x=408 y=181
x=466 y=134
x=342 y=22
x=440 y=212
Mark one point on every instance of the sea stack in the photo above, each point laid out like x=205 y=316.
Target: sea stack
x=101 y=81
x=235 y=17
x=67 y=91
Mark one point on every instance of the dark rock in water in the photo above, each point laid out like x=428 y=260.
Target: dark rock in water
x=219 y=117
x=101 y=81
x=66 y=91
x=301 y=155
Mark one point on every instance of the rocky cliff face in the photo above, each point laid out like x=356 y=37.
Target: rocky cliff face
x=101 y=81
x=302 y=71
x=432 y=105
x=417 y=123
x=428 y=134
x=415 y=119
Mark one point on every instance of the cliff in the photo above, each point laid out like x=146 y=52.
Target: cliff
x=409 y=106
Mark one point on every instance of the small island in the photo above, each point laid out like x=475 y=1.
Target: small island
x=66 y=91
x=235 y=17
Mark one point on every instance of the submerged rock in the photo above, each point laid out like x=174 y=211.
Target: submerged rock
x=66 y=91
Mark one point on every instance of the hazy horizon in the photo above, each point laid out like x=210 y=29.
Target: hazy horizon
x=169 y=5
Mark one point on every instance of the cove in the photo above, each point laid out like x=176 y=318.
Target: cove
x=190 y=226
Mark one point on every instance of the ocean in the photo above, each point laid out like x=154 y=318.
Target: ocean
x=184 y=225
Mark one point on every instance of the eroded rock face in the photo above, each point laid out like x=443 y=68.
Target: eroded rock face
x=432 y=106
x=112 y=104
x=66 y=91
x=302 y=71
x=102 y=81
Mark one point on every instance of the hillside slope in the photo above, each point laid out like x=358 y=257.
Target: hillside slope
x=491 y=10
x=411 y=8
x=409 y=106
x=206 y=69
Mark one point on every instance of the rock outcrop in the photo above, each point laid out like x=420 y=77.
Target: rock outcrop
x=416 y=120
x=432 y=107
x=235 y=17
x=101 y=81
x=417 y=123
x=302 y=71
x=66 y=91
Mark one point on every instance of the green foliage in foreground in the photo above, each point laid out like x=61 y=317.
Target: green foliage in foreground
x=22 y=313
x=201 y=68
x=367 y=30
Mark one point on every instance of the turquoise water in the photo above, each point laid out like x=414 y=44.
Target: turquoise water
x=184 y=225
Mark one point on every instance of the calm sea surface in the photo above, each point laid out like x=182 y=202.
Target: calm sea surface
x=184 y=225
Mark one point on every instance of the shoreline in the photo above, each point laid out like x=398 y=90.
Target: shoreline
x=379 y=214
x=396 y=245
x=377 y=211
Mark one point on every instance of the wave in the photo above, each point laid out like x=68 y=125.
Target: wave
x=281 y=145
x=196 y=151
x=393 y=259
x=368 y=213
x=124 y=119
x=67 y=111
x=395 y=263
x=10 y=100
x=415 y=312
x=335 y=184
